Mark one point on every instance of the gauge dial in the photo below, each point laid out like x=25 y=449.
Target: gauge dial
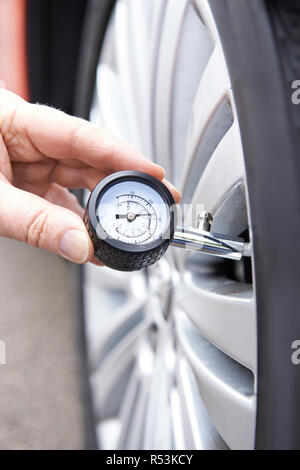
x=131 y=218
x=132 y=212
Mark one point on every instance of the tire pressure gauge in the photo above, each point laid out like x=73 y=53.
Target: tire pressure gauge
x=131 y=218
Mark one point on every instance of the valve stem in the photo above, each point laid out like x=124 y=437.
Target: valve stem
x=204 y=221
x=216 y=244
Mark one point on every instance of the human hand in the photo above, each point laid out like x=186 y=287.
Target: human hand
x=42 y=153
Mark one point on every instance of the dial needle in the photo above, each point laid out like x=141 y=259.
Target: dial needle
x=131 y=216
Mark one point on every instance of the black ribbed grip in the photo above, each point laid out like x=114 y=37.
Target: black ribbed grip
x=126 y=261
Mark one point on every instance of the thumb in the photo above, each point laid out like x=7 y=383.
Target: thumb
x=31 y=219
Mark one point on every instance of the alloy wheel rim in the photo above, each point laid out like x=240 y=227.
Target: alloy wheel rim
x=173 y=351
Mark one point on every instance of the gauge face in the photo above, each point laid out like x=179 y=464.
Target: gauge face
x=133 y=212
x=130 y=217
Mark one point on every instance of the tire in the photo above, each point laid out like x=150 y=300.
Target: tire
x=262 y=59
x=226 y=328
x=53 y=32
x=95 y=23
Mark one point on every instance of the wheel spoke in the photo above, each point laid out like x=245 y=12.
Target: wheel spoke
x=123 y=59
x=197 y=427
x=213 y=88
x=172 y=25
x=225 y=387
x=202 y=7
x=177 y=420
x=109 y=96
x=106 y=278
x=134 y=405
x=158 y=429
x=224 y=313
x=115 y=368
x=111 y=301
x=191 y=55
x=222 y=173
x=140 y=66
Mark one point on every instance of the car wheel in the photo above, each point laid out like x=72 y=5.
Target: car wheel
x=180 y=355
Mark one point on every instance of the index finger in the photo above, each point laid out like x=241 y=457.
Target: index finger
x=59 y=136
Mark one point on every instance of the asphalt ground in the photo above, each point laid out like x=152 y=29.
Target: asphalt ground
x=40 y=398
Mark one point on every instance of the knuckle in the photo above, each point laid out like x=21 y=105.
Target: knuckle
x=9 y=124
x=78 y=133
x=37 y=228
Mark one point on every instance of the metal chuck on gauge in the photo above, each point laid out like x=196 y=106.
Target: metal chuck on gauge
x=131 y=218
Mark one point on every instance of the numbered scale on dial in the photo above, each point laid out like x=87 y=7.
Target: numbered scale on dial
x=130 y=217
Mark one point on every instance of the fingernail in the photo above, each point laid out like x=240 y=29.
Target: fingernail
x=74 y=245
